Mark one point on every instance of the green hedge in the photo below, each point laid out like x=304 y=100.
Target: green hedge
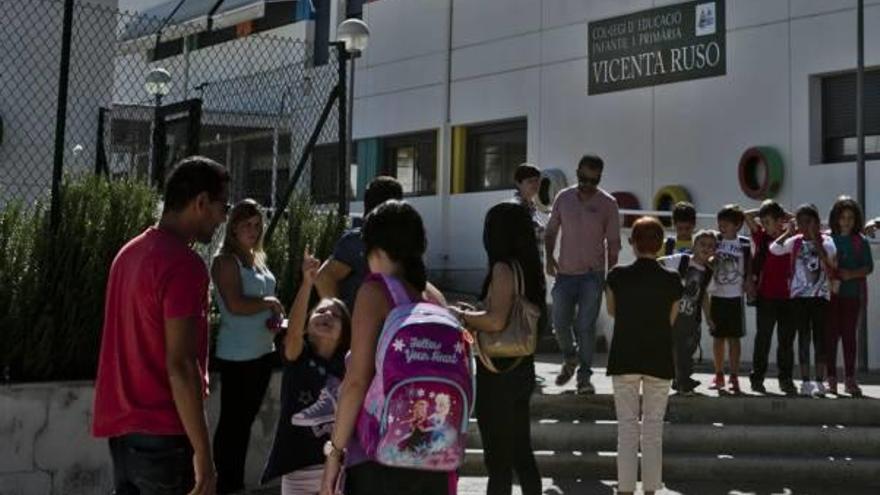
x=52 y=287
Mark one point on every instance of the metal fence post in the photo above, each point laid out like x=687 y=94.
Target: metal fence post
x=342 y=58
x=61 y=114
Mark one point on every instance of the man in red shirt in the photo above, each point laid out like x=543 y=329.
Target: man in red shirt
x=152 y=369
x=773 y=308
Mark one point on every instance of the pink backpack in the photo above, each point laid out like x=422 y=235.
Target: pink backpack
x=416 y=411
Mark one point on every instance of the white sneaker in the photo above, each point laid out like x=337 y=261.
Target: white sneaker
x=808 y=388
x=820 y=389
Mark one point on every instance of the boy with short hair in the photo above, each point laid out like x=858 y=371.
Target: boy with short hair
x=730 y=282
x=684 y=220
x=696 y=273
x=770 y=274
x=813 y=258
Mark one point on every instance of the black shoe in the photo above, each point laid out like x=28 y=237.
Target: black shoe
x=586 y=388
x=787 y=387
x=758 y=386
x=565 y=373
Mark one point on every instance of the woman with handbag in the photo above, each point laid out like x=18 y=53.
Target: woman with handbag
x=506 y=334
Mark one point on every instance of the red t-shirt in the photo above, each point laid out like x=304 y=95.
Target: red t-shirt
x=775 y=274
x=155 y=277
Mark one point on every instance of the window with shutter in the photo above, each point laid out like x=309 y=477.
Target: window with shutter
x=839 y=117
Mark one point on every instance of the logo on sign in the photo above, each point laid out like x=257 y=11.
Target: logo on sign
x=705 y=19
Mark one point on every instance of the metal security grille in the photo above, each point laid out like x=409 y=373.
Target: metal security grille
x=249 y=100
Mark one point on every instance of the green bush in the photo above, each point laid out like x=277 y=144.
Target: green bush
x=52 y=287
x=303 y=224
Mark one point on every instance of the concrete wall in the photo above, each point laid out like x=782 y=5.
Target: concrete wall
x=46 y=446
x=433 y=64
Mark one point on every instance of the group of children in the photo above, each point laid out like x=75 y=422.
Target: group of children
x=804 y=281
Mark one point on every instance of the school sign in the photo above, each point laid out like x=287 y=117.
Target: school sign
x=657 y=46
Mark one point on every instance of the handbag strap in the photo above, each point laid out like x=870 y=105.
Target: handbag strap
x=519 y=291
x=519 y=282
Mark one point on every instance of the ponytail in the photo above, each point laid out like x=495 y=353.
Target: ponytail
x=415 y=272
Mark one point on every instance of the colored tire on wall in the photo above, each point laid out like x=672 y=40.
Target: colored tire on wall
x=553 y=180
x=627 y=201
x=760 y=172
x=665 y=199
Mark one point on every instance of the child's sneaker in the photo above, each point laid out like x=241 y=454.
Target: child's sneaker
x=321 y=412
x=852 y=388
x=807 y=388
x=734 y=384
x=819 y=389
x=718 y=382
x=832 y=385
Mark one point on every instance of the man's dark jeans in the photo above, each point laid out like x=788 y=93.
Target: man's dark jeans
x=152 y=464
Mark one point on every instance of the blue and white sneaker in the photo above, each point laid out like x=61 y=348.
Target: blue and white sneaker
x=321 y=411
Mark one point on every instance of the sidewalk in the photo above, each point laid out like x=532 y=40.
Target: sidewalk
x=547 y=367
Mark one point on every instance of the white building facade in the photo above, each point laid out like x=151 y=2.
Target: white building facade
x=510 y=78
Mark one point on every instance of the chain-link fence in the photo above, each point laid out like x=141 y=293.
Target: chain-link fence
x=246 y=99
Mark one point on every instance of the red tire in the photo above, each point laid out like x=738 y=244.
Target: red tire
x=760 y=172
x=627 y=201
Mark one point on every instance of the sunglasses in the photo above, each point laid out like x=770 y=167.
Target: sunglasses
x=590 y=180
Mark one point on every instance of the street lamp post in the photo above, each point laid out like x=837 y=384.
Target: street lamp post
x=157 y=85
x=354 y=34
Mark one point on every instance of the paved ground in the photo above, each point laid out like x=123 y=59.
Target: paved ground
x=547 y=367
x=477 y=486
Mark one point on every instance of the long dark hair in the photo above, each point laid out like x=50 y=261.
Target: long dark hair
x=509 y=236
x=842 y=204
x=397 y=228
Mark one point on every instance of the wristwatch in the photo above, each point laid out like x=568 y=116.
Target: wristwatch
x=331 y=450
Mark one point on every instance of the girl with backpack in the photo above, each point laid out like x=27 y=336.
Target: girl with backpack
x=813 y=263
x=848 y=290
x=313 y=366
x=404 y=404
x=506 y=384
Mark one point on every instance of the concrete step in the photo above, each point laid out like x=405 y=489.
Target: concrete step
x=860 y=472
x=709 y=439
x=476 y=485
x=742 y=410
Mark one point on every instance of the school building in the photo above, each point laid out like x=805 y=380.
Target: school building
x=713 y=101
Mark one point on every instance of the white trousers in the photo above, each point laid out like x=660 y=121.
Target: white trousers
x=306 y=481
x=649 y=403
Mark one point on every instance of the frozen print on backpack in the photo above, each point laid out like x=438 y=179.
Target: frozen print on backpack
x=423 y=432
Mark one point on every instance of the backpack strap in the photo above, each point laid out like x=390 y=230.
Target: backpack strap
x=683 y=263
x=795 y=250
x=669 y=246
x=396 y=291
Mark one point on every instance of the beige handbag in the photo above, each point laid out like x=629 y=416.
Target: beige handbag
x=520 y=337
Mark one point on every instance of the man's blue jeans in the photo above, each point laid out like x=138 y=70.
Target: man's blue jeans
x=579 y=295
